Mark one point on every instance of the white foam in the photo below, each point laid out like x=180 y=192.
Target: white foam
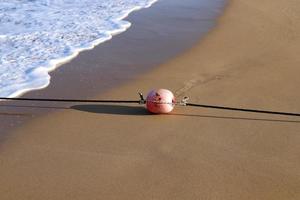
x=38 y=35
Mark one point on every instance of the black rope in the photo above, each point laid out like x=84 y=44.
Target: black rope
x=244 y=109
x=142 y=101
x=70 y=100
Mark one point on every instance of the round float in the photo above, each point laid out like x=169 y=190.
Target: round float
x=160 y=101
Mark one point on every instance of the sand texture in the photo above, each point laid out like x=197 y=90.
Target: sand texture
x=251 y=59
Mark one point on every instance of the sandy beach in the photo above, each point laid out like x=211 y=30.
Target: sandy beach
x=249 y=60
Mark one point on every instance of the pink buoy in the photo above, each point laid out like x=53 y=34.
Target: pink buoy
x=160 y=101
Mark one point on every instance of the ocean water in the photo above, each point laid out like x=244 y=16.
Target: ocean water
x=37 y=35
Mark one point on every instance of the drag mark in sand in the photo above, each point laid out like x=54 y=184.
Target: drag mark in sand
x=188 y=85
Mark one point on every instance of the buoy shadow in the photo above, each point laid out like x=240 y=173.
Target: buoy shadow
x=111 y=109
x=139 y=110
x=135 y=110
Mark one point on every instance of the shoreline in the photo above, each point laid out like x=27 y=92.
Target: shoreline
x=121 y=152
x=55 y=63
x=90 y=73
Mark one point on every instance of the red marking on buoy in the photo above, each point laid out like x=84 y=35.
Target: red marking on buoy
x=160 y=101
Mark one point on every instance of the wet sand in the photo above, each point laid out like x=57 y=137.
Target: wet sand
x=121 y=152
x=157 y=34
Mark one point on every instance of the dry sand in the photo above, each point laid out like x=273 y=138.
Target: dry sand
x=120 y=152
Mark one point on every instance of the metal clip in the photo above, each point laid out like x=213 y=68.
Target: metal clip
x=142 y=100
x=184 y=101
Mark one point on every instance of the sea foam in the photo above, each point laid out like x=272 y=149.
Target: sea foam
x=37 y=35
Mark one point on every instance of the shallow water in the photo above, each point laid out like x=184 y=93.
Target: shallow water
x=36 y=35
